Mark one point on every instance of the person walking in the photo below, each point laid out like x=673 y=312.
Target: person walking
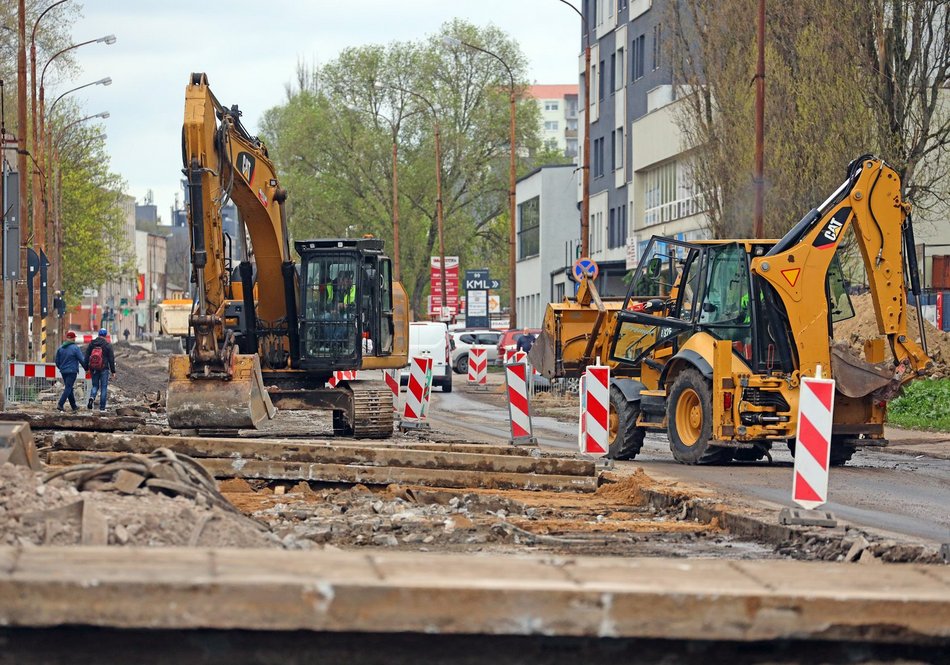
x=100 y=360
x=69 y=358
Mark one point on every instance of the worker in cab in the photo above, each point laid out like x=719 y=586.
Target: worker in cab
x=342 y=295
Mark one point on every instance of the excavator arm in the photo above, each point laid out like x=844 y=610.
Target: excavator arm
x=216 y=385
x=797 y=266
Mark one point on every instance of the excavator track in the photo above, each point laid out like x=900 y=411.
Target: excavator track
x=372 y=412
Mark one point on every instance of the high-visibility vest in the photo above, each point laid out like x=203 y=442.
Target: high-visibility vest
x=348 y=298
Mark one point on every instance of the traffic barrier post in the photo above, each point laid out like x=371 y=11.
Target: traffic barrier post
x=340 y=376
x=391 y=376
x=812 y=453
x=519 y=403
x=478 y=367
x=416 y=408
x=595 y=410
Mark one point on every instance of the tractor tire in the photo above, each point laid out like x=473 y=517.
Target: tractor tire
x=841 y=453
x=689 y=421
x=624 y=438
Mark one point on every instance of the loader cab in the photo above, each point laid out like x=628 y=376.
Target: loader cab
x=346 y=303
x=680 y=288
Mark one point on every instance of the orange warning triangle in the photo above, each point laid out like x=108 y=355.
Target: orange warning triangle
x=791 y=275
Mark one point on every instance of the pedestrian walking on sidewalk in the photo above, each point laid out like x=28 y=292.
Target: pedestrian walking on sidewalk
x=69 y=358
x=100 y=360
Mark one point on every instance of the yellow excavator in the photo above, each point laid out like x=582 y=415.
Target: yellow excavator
x=271 y=333
x=713 y=338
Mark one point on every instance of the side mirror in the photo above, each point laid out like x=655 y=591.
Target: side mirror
x=654 y=305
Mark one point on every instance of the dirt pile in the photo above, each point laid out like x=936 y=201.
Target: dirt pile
x=36 y=513
x=139 y=373
x=863 y=326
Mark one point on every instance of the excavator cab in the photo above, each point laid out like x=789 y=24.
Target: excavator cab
x=346 y=303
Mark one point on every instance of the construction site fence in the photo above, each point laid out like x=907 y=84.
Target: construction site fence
x=32 y=383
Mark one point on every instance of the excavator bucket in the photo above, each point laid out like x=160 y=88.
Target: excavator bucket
x=237 y=403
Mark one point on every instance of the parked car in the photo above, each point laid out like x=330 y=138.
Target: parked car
x=509 y=340
x=431 y=338
x=466 y=338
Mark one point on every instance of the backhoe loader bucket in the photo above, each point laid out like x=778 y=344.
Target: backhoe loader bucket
x=237 y=403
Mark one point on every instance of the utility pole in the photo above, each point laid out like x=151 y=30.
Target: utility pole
x=4 y=333
x=22 y=319
x=758 y=230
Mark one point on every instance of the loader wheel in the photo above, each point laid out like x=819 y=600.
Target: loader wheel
x=624 y=438
x=689 y=421
x=841 y=453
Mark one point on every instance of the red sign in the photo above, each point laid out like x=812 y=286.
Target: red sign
x=451 y=285
x=140 y=292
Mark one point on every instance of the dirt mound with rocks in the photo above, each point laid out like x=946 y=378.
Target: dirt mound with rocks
x=36 y=513
x=863 y=326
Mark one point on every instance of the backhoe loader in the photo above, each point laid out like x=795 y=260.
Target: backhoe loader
x=270 y=332
x=713 y=338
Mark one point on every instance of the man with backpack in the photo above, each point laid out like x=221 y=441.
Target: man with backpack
x=100 y=360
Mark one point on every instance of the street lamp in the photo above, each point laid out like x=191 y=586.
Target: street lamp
x=57 y=232
x=512 y=232
x=438 y=183
x=585 y=195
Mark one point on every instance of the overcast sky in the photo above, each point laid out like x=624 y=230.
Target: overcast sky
x=250 y=50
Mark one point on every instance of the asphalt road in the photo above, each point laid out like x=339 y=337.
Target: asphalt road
x=897 y=493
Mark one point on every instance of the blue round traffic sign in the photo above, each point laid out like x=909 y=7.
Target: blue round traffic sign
x=584 y=267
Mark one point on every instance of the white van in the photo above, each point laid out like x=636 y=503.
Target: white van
x=430 y=338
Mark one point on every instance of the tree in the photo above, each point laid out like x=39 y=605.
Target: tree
x=94 y=247
x=332 y=141
x=815 y=123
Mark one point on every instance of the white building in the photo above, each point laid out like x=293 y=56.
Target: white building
x=547 y=220
x=558 y=106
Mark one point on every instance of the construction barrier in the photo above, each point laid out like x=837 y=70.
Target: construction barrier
x=341 y=375
x=416 y=408
x=595 y=409
x=25 y=381
x=813 y=442
x=478 y=366
x=582 y=410
x=519 y=405
x=391 y=376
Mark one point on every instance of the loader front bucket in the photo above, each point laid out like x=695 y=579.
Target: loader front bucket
x=236 y=403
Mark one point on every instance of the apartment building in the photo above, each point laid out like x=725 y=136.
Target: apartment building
x=558 y=106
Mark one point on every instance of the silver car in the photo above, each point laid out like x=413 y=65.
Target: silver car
x=466 y=339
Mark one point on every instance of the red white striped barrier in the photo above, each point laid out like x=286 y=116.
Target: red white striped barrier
x=509 y=355
x=36 y=370
x=341 y=375
x=391 y=377
x=478 y=366
x=416 y=408
x=582 y=411
x=519 y=406
x=813 y=442
x=595 y=409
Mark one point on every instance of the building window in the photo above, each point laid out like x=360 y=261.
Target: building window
x=529 y=218
x=657 y=39
x=550 y=106
x=618 y=148
x=668 y=194
x=613 y=150
x=620 y=63
x=637 y=52
x=611 y=228
x=559 y=292
x=597 y=158
x=550 y=125
x=600 y=81
x=613 y=72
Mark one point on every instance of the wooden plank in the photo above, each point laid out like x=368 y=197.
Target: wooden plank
x=367 y=475
x=295 y=451
x=67 y=421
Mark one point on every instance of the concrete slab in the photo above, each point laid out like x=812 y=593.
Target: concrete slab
x=377 y=591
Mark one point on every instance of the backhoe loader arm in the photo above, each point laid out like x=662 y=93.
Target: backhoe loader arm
x=222 y=161
x=797 y=266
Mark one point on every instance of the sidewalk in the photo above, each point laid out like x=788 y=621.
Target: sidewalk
x=917 y=442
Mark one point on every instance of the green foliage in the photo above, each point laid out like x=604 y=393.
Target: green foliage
x=923 y=405
x=332 y=141
x=95 y=248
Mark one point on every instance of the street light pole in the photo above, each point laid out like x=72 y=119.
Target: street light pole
x=438 y=185
x=22 y=346
x=758 y=230
x=512 y=178
x=585 y=195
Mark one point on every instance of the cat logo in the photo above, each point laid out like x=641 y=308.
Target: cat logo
x=832 y=229
x=245 y=164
